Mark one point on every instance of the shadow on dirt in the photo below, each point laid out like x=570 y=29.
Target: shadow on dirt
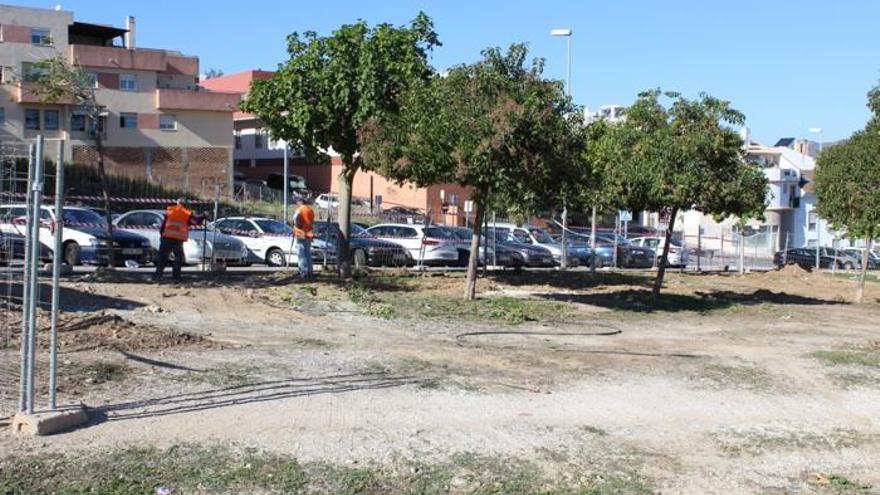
x=644 y=301
x=248 y=393
x=572 y=280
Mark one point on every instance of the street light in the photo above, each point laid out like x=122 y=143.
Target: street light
x=565 y=32
x=818 y=131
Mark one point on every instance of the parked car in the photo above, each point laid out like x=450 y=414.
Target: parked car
x=364 y=249
x=678 y=254
x=202 y=244
x=628 y=255
x=806 y=258
x=427 y=245
x=532 y=256
x=12 y=248
x=539 y=237
x=873 y=257
x=270 y=241
x=489 y=252
x=327 y=201
x=84 y=238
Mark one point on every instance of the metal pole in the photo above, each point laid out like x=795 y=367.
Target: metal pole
x=494 y=242
x=564 y=258
x=593 y=241
x=818 y=232
x=742 y=253
x=56 y=275
x=699 y=245
x=24 y=372
x=34 y=281
x=286 y=182
x=214 y=225
x=616 y=233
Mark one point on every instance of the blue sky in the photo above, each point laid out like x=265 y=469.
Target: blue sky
x=788 y=65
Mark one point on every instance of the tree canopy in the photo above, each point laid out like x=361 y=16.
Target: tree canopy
x=330 y=86
x=848 y=183
x=495 y=126
x=684 y=155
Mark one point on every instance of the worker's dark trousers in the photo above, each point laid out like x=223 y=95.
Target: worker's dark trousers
x=166 y=247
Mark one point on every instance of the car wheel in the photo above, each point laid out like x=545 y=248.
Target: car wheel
x=848 y=266
x=275 y=257
x=359 y=259
x=72 y=253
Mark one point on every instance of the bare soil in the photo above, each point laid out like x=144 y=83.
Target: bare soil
x=762 y=383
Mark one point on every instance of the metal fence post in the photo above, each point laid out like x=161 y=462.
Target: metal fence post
x=56 y=275
x=742 y=253
x=24 y=371
x=34 y=281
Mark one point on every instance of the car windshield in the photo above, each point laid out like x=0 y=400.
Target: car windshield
x=522 y=237
x=273 y=227
x=463 y=234
x=542 y=236
x=358 y=231
x=83 y=217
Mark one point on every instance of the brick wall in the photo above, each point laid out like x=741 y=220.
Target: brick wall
x=196 y=170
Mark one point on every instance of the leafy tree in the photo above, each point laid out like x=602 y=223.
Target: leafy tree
x=494 y=126
x=63 y=82
x=331 y=86
x=848 y=185
x=684 y=156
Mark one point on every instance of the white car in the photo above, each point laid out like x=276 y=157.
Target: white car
x=678 y=255
x=84 y=238
x=203 y=245
x=270 y=241
x=539 y=237
x=427 y=245
x=327 y=201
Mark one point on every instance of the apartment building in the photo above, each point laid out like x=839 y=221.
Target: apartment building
x=158 y=122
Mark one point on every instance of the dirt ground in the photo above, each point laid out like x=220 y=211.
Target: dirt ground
x=763 y=383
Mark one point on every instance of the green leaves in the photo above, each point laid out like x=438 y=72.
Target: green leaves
x=848 y=184
x=331 y=86
x=684 y=155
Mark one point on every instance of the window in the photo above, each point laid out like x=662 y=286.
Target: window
x=32 y=119
x=93 y=79
x=2 y=115
x=78 y=122
x=168 y=122
x=258 y=139
x=237 y=140
x=128 y=82
x=50 y=119
x=128 y=120
x=31 y=72
x=811 y=221
x=40 y=36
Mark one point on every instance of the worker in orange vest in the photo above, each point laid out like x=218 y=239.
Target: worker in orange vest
x=174 y=232
x=304 y=231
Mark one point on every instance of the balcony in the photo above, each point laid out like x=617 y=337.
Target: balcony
x=208 y=101
x=24 y=93
x=111 y=57
x=777 y=174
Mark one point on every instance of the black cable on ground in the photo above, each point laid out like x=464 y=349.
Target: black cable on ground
x=460 y=337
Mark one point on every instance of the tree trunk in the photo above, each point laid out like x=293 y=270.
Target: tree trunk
x=860 y=290
x=346 y=179
x=111 y=249
x=470 y=292
x=661 y=270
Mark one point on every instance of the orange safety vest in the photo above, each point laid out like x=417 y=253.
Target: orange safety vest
x=305 y=223
x=177 y=223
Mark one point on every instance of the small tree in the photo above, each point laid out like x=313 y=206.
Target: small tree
x=331 y=86
x=63 y=82
x=684 y=156
x=848 y=185
x=495 y=126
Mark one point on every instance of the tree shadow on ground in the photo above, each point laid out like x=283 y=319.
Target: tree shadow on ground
x=245 y=279
x=644 y=301
x=247 y=393
x=571 y=279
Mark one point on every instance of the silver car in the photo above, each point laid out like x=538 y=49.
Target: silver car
x=202 y=244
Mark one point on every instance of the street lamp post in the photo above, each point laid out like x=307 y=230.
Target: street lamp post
x=565 y=32
x=817 y=131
